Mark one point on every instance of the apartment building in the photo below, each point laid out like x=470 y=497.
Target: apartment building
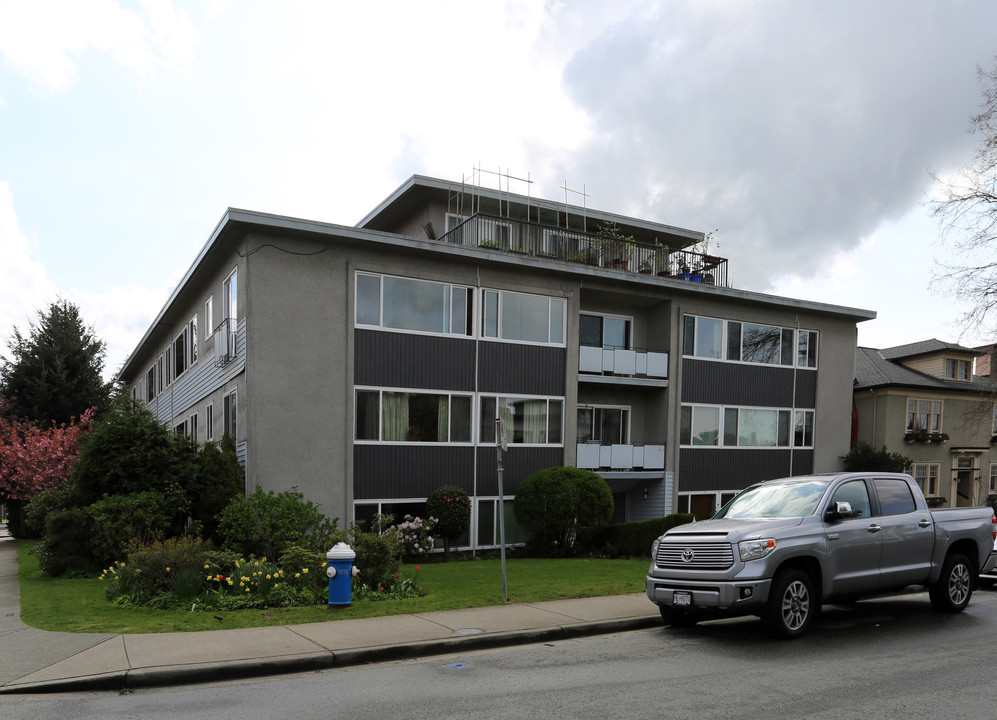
x=365 y=366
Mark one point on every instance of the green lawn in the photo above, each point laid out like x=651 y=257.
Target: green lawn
x=78 y=605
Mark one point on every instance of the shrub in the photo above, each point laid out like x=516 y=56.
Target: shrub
x=865 y=457
x=265 y=524
x=66 y=548
x=378 y=558
x=121 y=522
x=629 y=539
x=416 y=535
x=304 y=568
x=175 y=566
x=451 y=507
x=554 y=504
x=60 y=497
x=219 y=481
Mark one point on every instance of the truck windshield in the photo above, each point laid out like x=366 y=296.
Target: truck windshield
x=776 y=501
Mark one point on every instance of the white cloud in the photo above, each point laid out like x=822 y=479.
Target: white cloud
x=39 y=39
x=24 y=286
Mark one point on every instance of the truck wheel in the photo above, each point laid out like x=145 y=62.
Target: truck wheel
x=791 y=605
x=951 y=592
x=677 y=617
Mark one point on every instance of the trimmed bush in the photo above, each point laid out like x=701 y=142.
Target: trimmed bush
x=121 y=522
x=265 y=524
x=555 y=504
x=378 y=559
x=451 y=506
x=66 y=547
x=60 y=497
x=629 y=539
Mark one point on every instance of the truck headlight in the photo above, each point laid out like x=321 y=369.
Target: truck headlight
x=755 y=549
x=654 y=548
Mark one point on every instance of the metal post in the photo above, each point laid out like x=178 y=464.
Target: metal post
x=500 y=447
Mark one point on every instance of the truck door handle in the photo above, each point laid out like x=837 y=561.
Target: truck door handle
x=874 y=528
x=924 y=523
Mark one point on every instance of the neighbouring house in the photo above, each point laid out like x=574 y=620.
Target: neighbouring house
x=924 y=401
x=365 y=366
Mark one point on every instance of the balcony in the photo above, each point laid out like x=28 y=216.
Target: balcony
x=554 y=243
x=225 y=345
x=594 y=456
x=619 y=365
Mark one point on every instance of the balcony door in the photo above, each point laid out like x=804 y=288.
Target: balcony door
x=604 y=331
x=604 y=425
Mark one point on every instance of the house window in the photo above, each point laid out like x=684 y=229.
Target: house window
x=209 y=316
x=924 y=415
x=185 y=349
x=396 y=416
x=699 y=425
x=957 y=369
x=209 y=422
x=763 y=344
x=150 y=386
x=604 y=425
x=993 y=478
x=703 y=505
x=605 y=332
x=521 y=317
x=160 y=379
x=806 y=348
x=528 y=421
x=704 y=337
x=229 y=415
x=926 y=475
x=421 y=306
x=993 y=429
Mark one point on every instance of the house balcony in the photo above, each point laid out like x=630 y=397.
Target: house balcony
x=622 y=457
x=620 y=366
x=575 y=246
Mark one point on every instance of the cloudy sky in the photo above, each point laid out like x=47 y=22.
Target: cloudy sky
x=802 y=131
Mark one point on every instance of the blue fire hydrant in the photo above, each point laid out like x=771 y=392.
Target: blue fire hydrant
x=340 y=572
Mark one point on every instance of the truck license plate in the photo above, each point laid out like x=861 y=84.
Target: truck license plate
x=682 y=598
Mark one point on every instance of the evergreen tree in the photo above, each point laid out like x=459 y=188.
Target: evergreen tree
x=54 y=373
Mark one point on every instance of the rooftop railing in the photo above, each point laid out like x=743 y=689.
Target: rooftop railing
x=554 y=243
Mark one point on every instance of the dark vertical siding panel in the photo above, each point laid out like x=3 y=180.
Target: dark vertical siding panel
x=527 y=369
x=518 y=464
x=720 y=383
x=386 y=359
x=803 y=462
x=404 y=471
x=732 y=469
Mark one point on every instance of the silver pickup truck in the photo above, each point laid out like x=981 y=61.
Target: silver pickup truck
x=782 y=548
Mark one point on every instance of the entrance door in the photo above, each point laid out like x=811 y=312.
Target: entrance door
x=965 y=492
x=703 y=506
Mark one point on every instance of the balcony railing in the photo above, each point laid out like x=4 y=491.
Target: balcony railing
x=619 y=361
x=225 y=345
x=554 y=243
x=595 y=456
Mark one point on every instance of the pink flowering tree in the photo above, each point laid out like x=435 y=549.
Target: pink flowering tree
x=34 y=458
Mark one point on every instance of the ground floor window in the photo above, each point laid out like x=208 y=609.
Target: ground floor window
x=926 y=475
x=703 y=505
x=487 y=517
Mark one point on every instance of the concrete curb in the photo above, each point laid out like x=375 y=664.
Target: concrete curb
x=241 y=669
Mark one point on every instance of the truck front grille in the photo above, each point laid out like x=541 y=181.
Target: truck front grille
x=706 y=556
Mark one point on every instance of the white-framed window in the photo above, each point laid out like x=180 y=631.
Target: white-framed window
x=416 y=416
x=188 y=428
x=699 y=425
x=605 y=331
x=487 y=523
x=924 y=415
x=523 y=317
x=151 y=386
x=209 y=316
x=160 y=374
x=993 y=478
x=229 y=413
x=230 y=308
x=184 y=349
x=927 y=474
x=528 y=420
x=745 y=342
x=209 y=422
x=606 y=425
x=722 y=426
x=413 y=305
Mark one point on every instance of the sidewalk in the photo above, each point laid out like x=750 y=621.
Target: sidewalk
x=33 y=660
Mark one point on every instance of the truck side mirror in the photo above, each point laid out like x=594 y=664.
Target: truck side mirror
x=839 y=511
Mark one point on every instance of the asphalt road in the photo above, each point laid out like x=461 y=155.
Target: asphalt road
x=887 y=658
